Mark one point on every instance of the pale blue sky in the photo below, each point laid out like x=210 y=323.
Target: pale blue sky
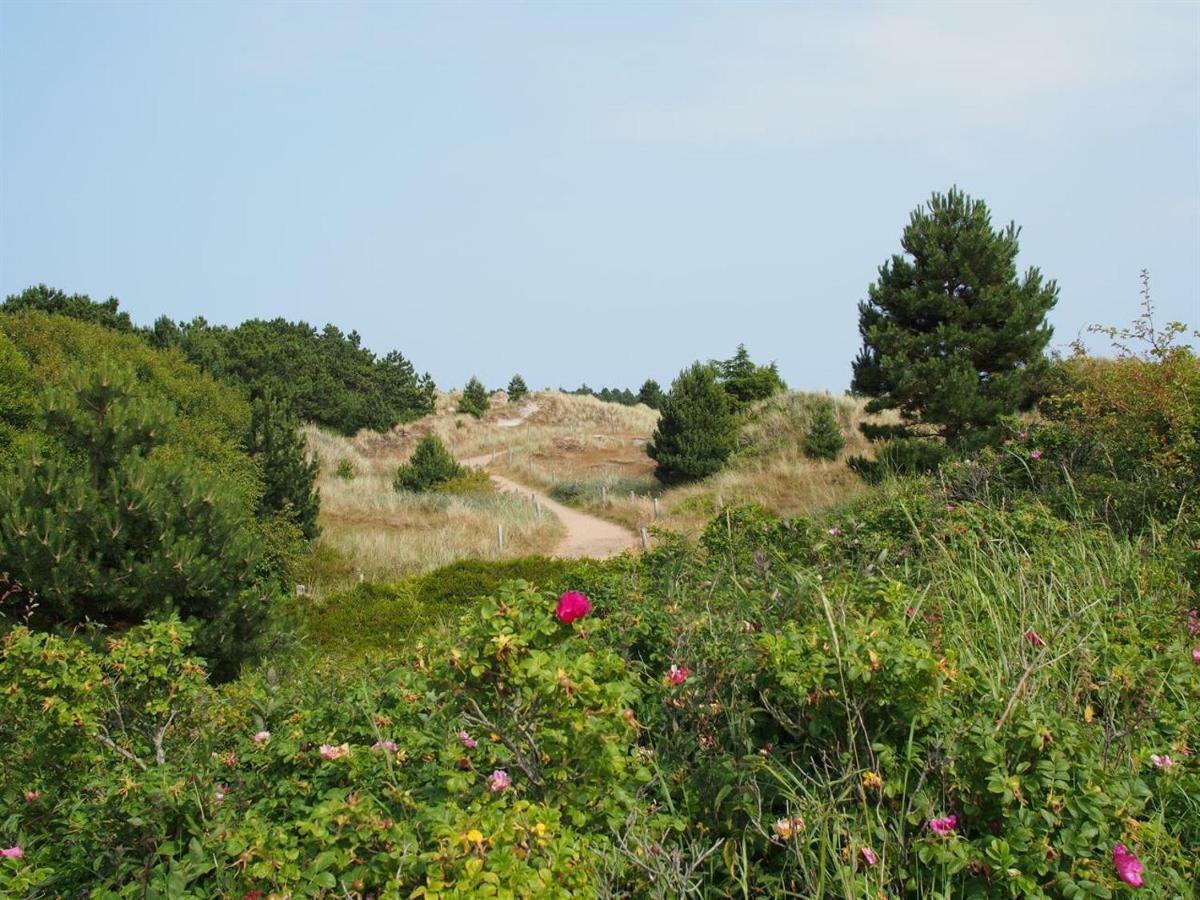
x=588 y=192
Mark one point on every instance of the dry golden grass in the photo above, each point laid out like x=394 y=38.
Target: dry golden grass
x=770 y=468
x=369 y=528
x=578 y=449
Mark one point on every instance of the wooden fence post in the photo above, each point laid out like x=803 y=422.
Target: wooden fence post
x=645 y=538
x=500 y=537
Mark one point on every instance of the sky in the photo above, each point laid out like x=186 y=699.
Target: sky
x=589 y=192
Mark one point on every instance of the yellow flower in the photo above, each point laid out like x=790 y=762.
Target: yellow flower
x=1088 y=714
x=872 y=781
x=474 y=836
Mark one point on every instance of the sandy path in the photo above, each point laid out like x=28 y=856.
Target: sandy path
x=587 y=536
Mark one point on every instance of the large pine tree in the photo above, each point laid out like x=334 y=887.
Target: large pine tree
x=952 y=337
x=697 y=430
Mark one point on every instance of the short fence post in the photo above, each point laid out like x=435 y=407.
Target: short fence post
x=537 y=507
x=604 y=494
x=645 y=538
x=631 y=496
x=657 y=510
x=500 y=537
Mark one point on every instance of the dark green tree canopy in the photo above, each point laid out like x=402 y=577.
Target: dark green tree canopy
x=107 y=524
x=76 y=306
x=326 y=377
x=517 y=389
x=952 y=337
x=474 y=400
x=289 y=477
x=697 y=431
x=824 y=438
x=430 y=465
x=745 y=381
x=651 y=394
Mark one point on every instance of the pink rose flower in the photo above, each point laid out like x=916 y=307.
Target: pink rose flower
x=1196 y=654
x=1022 y=435
x=1129 y=867
x=943 y=826
x=12 y=853
x=467 y=741
x=1161 y=762
x=389 y=746
x=32 y=796
x=1193 y=622
x=571 y=606
x=677 y=675
x=1034 y=638
x=835 y=531
x=499 y=781
x=330 y=752
x=1036 y=454
x=261 y=738
x=869 y=856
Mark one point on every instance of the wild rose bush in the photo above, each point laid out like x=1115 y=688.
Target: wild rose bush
x=919 y=696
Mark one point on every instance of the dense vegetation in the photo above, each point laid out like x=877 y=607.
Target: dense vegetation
x=982 y=680
x=935 y=691
x=126 y=491
x=325 y=377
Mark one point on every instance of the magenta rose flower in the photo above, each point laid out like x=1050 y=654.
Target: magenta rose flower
x=677 y=675
x=1129 y=867
x=467 y=741
x=499 y=781
x=943 y=826
x=12 y=853
x=1034 y=638
x=571 y=606
x=869 y=856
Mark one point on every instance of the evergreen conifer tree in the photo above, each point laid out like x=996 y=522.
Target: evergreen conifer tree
x=651 y=394
x=106 y=527
x=746 y=382
x=517 y=389
x=289 y=478
x=952 y=338
x=430 y=465
x=824 y=439
x=474 y=400
x=697 y=430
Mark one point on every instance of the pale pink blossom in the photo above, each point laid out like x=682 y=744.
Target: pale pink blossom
x=499 y=781
x=1036 y=454
x=1129 y=867
x=943 y=826
x=467 y=741
x=1023 y=435
x=12 y=853
x=32 y=796
x=869 y=856
x=1161 y=762
x=835 y=531
x=677 y=675
x=389 y=746
x=331 y=752
x=1196 y=654
x=260 y=738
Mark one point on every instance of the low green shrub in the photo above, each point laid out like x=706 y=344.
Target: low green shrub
x=901 y=456
x=431 y=465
